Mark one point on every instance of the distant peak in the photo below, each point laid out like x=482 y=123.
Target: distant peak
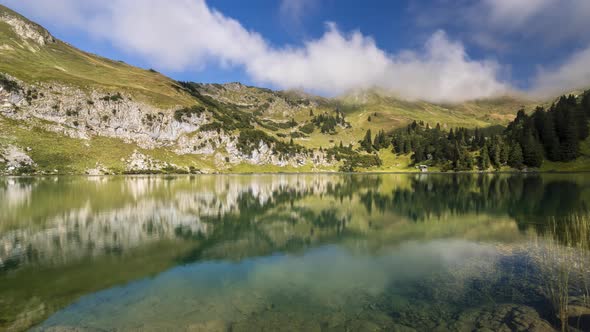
x=24 y=28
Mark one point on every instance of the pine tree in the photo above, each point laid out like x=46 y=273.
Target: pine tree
x=311 y=113
x=495 y=152
x=367 y=142
x=395 y=142
x=532 y=151
x=568 y=138
x=484 y=158
x=549 y=137
x=515 y=159
x=377 y=142
x=407 y=146
x=475 y=140
x=504 y=152
x=418 y=155
x=581 y=119
x=451 y=136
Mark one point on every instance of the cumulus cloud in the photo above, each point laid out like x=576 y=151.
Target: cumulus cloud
x=336 y=62
x=548 y=29
x=573 y=74
x=550 y=23
x=181 y=34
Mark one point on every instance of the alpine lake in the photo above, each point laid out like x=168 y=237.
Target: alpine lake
x=287 y=252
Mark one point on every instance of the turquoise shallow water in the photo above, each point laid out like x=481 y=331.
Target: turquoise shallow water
x=295 y=252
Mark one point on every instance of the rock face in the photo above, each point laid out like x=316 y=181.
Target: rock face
x=28 y=31
x=84 y=114
x=15 y=159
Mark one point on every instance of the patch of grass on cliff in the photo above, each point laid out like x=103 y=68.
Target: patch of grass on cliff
x=54 y=151
x=195 y=162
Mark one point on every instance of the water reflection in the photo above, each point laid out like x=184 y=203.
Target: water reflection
x=247 y=252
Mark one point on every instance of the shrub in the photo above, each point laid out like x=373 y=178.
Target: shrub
x=8 y=84
x=308 y=128
x=181 y=114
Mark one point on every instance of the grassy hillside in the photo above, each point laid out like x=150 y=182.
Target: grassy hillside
x=292 y=119
x=57 y=61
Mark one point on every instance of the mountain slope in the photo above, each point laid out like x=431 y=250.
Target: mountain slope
x=33 y=55
x=63 y=110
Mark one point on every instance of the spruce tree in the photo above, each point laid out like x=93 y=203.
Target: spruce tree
x=484 y=158
x=549 y=138
x=504 y=152
x=569 y=144
x=418 y=155
x=475 y=140
x=532 y=151
x=451 y=136
x=367 y=142
x=495 y=151
x=515 y=159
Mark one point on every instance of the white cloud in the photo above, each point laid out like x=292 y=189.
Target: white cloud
x=181 y=34
x=549 y=29
x=550 y=23
x=335 y=63
x=514 y=13
x=573 y=74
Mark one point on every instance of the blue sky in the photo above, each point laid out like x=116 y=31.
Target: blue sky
x=438 y=50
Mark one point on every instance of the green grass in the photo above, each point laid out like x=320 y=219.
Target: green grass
x=582 y=164
x=52 y=151
x=250 y=168
x=60 y=62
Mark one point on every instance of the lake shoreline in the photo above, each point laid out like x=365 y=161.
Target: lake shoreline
x=292 y=173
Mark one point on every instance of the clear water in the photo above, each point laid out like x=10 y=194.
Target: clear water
x=294 y=252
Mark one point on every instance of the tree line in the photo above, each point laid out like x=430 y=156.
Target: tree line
x=554 y=134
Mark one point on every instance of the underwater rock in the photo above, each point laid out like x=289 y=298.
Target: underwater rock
x=503 y=317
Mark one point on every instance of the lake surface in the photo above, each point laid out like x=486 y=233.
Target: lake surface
x=295 y=252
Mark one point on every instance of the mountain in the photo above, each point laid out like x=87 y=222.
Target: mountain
x=66 y=111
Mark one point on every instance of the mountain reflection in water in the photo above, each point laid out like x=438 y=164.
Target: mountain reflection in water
x=300 y=252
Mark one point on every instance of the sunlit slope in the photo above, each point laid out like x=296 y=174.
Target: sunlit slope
x=389 y=111
x=55 y=61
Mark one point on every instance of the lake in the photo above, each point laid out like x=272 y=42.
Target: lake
x=309 y=252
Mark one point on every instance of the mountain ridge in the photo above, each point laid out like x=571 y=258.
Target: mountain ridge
x=117 y=118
